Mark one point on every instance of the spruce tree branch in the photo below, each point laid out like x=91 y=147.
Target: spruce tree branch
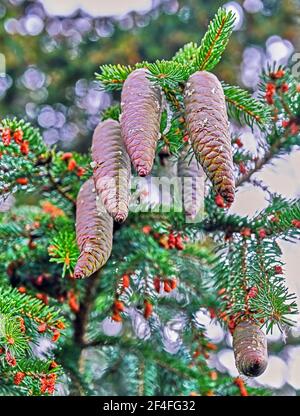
x=215 y=40
x=59 y=189
x=285 y=105
x=76 y=383
x=268 y=156
x=259 y=164
x=81 y=320
x=141 y=387
x=211 y=48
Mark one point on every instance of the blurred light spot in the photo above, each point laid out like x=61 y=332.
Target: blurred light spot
x=5 y=84
x=275 y=374
x=279 y=49
x=249 y=201
x=16 y=2
x=6 y=202
x=31 y=110
x=171 y=340
x=253 y=59
x=33 y=78
x=60 y=119
x=283 y=175
x=40 y=95
x=68 y=132
x=275 y=336
x=111 y=328
x=291 y=255
x=36 y=9
x=249 y=141
x=51 y=136
x=104 y=28
x=126 y=23
x=293 y=377
x=237 y=10
x=11 y=26
x=84 y=25
x=47 y=117
x=227 y=362
x=184 y=13
x=140 y=325
x=203 y=317
x=178 y=323
x=253 y=6
x=54 y=27
x=214 y=332
x=62 y=8
x=142 y=21
x=171 y=7
x=2 y=10
x=96 y=7
x=33 y=25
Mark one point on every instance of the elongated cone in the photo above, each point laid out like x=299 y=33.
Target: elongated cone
x=94 y=231
x=250 y=349
x=193 y=183
x=140 y=119
x=112 y=169
x=207 y=124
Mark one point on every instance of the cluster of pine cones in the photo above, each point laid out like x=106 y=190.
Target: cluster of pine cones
x=105 y=197
x=116 y=145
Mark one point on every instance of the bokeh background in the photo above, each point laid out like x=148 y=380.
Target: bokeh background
x=51 y=50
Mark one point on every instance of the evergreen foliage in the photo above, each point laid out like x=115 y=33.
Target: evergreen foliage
x=162 y=270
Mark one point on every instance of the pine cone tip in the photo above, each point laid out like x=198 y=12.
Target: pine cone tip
x=120 y=217
x=250 y=349
x=142 y=171
x=228 y=195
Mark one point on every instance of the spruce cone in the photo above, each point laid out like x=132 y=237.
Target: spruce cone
x=94 y=231
x=250 y=349
x=207 y=123
x=112 y=169
x=140 y=119
x=193 y=184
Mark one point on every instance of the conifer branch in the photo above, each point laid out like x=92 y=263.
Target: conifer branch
x=246 y=109
x=215 y=40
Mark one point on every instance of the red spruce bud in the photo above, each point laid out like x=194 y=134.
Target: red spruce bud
x=207 y=124
x=112 y=169
x=250 y=349
x=94 y=231
x=140 y=119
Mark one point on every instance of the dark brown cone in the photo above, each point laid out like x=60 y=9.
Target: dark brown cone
x=250 y=349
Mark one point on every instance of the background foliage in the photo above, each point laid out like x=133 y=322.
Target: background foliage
x=50 y=82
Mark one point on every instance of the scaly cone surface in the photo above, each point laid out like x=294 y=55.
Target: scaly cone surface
x=111 y=169
x=140 y=119
x=94 y=231
x=250 y=349
x=207 y=123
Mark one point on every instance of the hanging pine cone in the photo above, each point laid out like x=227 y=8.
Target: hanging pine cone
x=140 y=119
x=94 y=231
x=112 y=169
x=207 y=123
x=193 y=184
x=250 y=349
